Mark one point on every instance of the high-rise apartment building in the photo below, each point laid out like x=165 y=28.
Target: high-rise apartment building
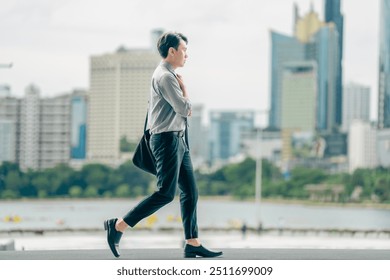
x=313 y=41
x=362 y=146
x=35 y=132
x=54 y=131
x=356 y=104
x=299 y=96
x=333 y=14
x=9 y=126
x=29 y=129
x=384 y=66
x=7 y=141
x=118 y=100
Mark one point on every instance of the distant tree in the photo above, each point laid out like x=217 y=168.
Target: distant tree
x=122 y=190
x=41 y=184
x=270 y=172
x=107 y=194
x=133 y=176
x=301 y=176
x=9 y=194
x=7 y=167
x=13 y=180
x=75 y=191
x=96 y=175
x=126 y=146
x=219 y=188
x=62 y=177
x=238 y=179
x=245 y=191
x=137 y=191
x=358 y=178
x=382 y=188
x=42 y=193
x=91 y=191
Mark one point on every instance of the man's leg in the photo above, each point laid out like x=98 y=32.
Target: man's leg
x=188 y=203
x=188 y=198
x=168 y=152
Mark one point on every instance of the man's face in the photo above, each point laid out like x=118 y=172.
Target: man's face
x=180 y=55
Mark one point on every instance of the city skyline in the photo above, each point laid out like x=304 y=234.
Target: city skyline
x=50 y=43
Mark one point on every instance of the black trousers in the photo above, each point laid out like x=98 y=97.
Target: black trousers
x=174 y=167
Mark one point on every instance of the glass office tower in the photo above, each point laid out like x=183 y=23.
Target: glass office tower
x=284 y=49
x=384 y=67
x=333 y=14
x=79 y=126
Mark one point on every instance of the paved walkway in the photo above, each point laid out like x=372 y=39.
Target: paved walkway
x=176 y=254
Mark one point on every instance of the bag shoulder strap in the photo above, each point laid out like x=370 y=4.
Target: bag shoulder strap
x=146 y=121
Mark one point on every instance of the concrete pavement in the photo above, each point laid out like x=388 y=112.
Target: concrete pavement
x=177 y=254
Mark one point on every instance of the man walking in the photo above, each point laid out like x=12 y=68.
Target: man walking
x=169 y=107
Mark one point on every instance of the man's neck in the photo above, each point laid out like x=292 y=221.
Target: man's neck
x=167 y=60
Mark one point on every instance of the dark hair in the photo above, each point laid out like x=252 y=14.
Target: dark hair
x=169 y=40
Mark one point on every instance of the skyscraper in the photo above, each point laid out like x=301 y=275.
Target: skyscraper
x=54 y=131
x=284 y=49
x=35 y=132
x=9 y=126
x=384 y=67
x=333 y=14
x=324 y=50
x=7 y=141
x=298 y=102
x=29 y=129
x=313 y=41
x=118 y=100
x=299 y=96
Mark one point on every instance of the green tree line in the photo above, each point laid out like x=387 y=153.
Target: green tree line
x=93 y=180
x=237 y=180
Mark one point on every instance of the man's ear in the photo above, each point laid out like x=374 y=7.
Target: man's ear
x=171 y=51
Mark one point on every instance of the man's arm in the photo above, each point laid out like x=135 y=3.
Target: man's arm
x=183 y=89
x=174 y=92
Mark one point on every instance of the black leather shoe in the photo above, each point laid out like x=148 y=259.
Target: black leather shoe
x=193 y=251
x=113 y=236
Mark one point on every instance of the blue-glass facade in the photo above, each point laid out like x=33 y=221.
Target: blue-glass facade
x=384 y=67
x=325 y=52
x=323 y=49
x=79 y=127
x=333 y=14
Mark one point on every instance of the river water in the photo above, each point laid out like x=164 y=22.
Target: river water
x=90 y=214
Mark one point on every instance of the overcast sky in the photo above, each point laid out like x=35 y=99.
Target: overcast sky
x=50 y=42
